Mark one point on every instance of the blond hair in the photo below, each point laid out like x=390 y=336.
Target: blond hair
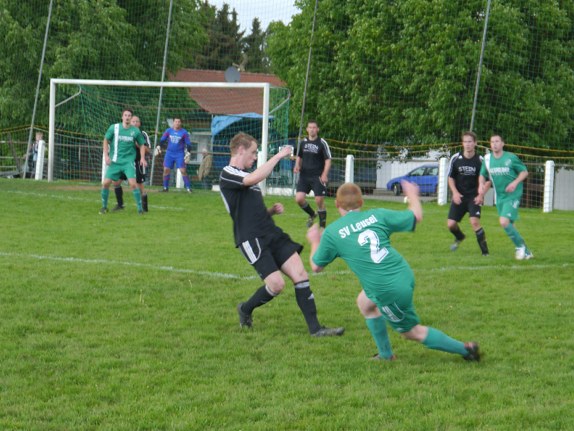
x=349 y=197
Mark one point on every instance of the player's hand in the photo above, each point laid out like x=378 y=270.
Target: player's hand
x=143 y=163
x=411 y=190
x=314 y=234
x=187 y=157
x=276 y=209
x=108 y=160
x=286 y=151
x=457 y=198
x=157 y=151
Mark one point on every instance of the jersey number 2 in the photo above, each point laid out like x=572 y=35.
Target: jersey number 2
x=377 y=253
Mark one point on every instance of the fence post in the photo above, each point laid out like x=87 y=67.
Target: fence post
x=548 y=186
x=442 y=191
x=350 y=168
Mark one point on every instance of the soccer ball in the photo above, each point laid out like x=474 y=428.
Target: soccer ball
x=406 y=200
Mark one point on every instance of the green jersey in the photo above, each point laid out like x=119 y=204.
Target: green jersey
x=362 y=240
x=502 y=171
x=123 y=142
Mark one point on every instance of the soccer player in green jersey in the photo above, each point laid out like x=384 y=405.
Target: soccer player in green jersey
x=121 y=142
x=362 y=240
x=506 y=172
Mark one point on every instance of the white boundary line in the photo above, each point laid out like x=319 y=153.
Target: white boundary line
x=215 y=274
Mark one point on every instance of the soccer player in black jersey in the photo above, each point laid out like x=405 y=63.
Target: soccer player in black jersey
x=313 y=164
x=140 y=175
x=265 y=246
x=463 y=176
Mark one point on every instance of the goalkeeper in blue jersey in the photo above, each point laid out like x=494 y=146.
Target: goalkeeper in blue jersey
x=177 y=140
x=362 y=240
x=121 y=142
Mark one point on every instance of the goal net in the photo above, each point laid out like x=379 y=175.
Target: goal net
x=212 y=112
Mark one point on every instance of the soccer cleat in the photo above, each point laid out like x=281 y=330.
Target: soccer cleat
x=141 y=212
x=103 y=210
x=311 y=220
x=245 y=320
x=528 y=255
x=485 y=254
x=165 y=189
x=455 y=244
x=473 y=352
x=520 y=253
x=117 y=208
x=377 y=357
x=328 y=332
x=189 y=190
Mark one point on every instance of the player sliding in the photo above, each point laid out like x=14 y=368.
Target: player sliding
x=362 y=239
x=266 y=247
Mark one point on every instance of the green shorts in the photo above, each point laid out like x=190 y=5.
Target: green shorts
x=398 y=308
x=508 y=208
x=116 y=169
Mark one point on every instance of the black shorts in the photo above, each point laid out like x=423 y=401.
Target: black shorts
x=467 y=205
x=268 y=253
x=306 y=184
x=140 y=175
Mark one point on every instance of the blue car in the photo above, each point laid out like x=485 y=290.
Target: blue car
x=426 y=176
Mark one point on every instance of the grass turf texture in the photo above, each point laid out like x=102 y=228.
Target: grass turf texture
x=123 y=322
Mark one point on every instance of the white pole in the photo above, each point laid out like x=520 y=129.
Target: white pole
x=40 y=160
x=51 y=131
x=442 y=192
x=548 y=186
x=264 y=135
x=349 y=168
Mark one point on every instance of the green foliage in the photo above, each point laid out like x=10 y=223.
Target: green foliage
x=405 y=72
x=121 y=322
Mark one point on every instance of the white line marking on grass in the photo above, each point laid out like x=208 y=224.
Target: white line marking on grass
x=73 y=198
x=213 y=274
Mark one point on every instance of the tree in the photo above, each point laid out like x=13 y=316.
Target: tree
x=224 y=42
x=405 y=72
x=254 y=48
x=87 y=39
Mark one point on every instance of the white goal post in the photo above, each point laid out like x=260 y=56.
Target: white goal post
x=54 y=82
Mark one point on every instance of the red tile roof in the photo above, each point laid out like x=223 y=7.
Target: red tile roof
x=226 y=100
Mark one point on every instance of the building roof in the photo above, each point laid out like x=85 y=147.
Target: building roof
x=227 y=101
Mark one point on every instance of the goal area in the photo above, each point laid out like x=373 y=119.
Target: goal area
x=81 y=111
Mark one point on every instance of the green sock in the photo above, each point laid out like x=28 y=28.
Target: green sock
x=138 y=197
x=514 y=235
x=105 y=196
x=438 y=340
x=378 y=329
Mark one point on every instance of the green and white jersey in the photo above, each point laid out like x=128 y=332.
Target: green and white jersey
x=123 y=142
x=362 y=240
x=502 y=172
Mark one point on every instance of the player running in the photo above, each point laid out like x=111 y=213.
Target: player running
x=362 y=240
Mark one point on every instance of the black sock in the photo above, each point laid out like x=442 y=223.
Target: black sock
x=481 y=239
x=322 y=217
x=307 y=208
x=144 y=202
x=457 y=233
x=259 y=298
x=119 y=195
x=306 y=302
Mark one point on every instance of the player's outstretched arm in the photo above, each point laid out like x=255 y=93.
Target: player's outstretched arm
x=411 y=191
x=265 y=169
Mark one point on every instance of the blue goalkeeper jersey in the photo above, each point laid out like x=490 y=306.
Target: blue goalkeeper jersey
x=177 y=140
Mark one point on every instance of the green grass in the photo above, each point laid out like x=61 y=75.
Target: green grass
x=122 y=322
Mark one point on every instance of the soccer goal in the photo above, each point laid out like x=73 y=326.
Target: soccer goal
x=212 y=112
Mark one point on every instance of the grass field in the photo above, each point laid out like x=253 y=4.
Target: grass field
x=123 y=322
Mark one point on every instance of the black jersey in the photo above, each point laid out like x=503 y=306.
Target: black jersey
x=465 y=173
x=313 y=154
x=245 y=205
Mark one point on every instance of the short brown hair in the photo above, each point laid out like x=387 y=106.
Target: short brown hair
x=471 y=134
x=349 y=196
x=242 y=139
